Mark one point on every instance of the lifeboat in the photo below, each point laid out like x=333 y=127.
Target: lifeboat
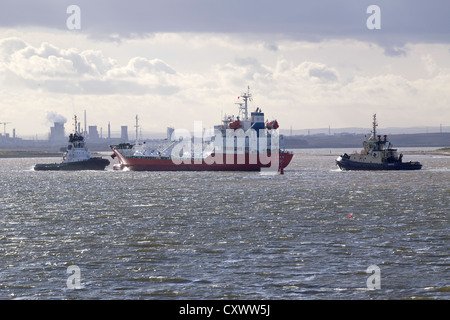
x=272 y=125
x=235 y=125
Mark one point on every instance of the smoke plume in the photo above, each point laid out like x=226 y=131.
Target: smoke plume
x=53 y=117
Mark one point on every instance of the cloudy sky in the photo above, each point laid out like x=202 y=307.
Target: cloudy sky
x=309 y=64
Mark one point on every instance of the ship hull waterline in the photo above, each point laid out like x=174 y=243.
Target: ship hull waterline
x=347 y=165
x=91 y=164
x=166 y=164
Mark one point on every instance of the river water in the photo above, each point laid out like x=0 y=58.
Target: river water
x=311 y=233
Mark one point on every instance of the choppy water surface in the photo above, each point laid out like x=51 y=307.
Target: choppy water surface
x=200 y=235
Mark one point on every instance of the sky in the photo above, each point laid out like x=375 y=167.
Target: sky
x=309 y=64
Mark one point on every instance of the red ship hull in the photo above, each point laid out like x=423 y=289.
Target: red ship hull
x=167 y=164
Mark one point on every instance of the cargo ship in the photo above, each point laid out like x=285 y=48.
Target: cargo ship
x=77 y=157
x=377 y=154
x=239 y=143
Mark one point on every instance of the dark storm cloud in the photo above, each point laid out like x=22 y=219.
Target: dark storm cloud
x=401 y=20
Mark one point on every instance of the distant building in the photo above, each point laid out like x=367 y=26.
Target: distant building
x=57 y=132
x=170 y=131
x=93 y=133
x=124 y=133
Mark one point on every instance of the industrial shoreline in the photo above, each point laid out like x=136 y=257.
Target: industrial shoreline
x=49 y=154
x=29 y=154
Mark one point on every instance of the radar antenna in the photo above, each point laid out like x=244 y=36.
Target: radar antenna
x=374 y=130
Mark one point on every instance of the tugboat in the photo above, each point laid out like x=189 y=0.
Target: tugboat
x=376 y=156
x=77 y=156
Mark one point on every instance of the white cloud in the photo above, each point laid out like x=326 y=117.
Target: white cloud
x=309 y=64
x=140 y=67
x=87 y=72
x=429 y=64
x=180 y=78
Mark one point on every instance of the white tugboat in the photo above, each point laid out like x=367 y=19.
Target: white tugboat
x=376 y=156
x=77 y=156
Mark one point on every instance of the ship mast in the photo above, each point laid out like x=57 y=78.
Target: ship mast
x=374 y=130
x=246 y=96
x=75 y=124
